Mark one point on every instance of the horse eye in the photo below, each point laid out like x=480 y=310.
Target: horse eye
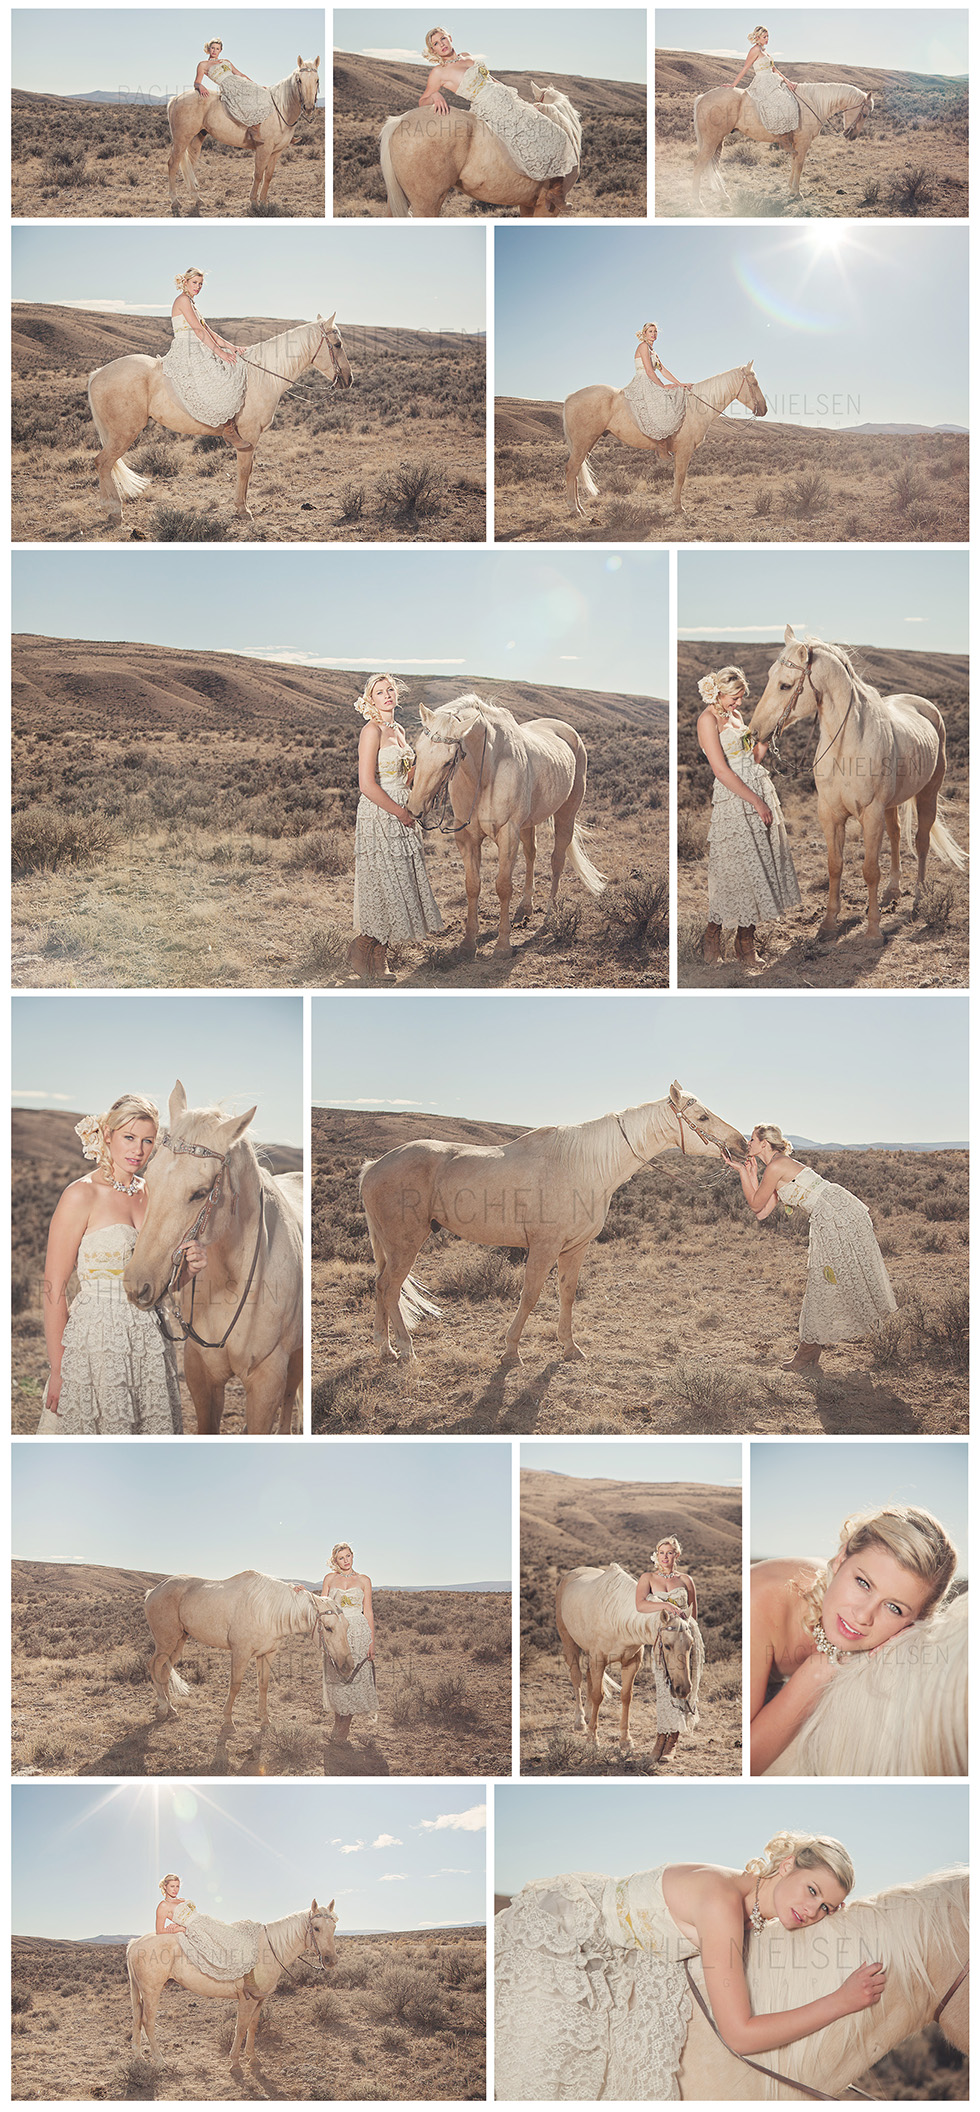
x=197 y=1195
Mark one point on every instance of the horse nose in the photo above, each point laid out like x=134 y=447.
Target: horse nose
x=141 y=1294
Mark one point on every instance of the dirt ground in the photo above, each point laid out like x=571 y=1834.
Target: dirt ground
x=663 y=1353
x=909 y=159
x=83 y=1704
x=924 y=949
x=96 y=161
x=567 y=1520
x=30 y=1370
x=750 y=481
x=400 y=2017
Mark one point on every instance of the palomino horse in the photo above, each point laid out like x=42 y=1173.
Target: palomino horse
x=192 y=116
x=724 y=110
x=250 y=1616
x=876 y=757
x=153 y=1960
x=548 y=1191
x=900 y=1710
x=598 y=1620
x=424 y=156
x=244 y=1312
x=126 y=394
x=601 y=409
x=504 y=779
x=919 y=1930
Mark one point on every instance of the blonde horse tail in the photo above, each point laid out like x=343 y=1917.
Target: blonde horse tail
x=177 y=1688
x=398 y=204
x=583 y=866
x=413 y=1301
x=125 y=482
x=135 y=1995
x=585 y=482
x=940 y=838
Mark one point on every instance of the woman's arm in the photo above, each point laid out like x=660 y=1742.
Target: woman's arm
x=68 y=1226
x=688 y=1583
x=709 y=742
x=195 y=1259
x=199 y=78
x=761 y=1195
x=775 y=1725
x=747 y=66
x=670 y=380
x=183 y=306
x=431 y=97
x=721 y=1934
x=368 y=748
x=644 y=1591
x=368 y=1610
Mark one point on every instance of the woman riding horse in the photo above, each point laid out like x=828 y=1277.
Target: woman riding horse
x=536 y=142
x=248 y=105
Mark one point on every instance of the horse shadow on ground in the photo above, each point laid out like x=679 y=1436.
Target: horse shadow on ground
x=491 y=1414
x=128 y=1756
x=253 y=2081
x=484 y=968
x=348 y=1761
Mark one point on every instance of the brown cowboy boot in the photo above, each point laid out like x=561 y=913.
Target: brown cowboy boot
x=745 y=946
x=807 y=1358
x=379 y=963
x=711 y=943
x=554 y=195
x=360 y=955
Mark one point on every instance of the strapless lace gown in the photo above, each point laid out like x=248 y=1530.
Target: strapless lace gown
x=221 y=1949
x=775 y=104
x=393 y=898
x=119 y=1371
x=535 y=142
x=245 y=101
x=658 y=412
x=204 y=385
x=751 y=875
x=591 y=1995
x=847 y=1286
x=358 y=1696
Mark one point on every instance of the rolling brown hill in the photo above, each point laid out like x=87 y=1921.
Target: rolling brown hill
x=366 y=87
x=691 y=72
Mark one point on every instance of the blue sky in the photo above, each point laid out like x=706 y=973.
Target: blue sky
x=893 y=1834
x=80 y=1053
x=914 y=600
x=846 y=324
x=88 y=1861
x=413 y=1513
x=801 y=1494
x=842 y=1067
x=912 y=39
x=652 y=1461
x=579 y=619
x=154 y=50
x=609 y=43
x=394 y=277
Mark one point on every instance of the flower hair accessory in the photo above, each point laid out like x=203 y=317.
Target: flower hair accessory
x=89 y=1129
x=709 y=689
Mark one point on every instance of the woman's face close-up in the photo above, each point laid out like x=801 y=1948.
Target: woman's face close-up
x=343 y=1558
x=804 y=1896
x=871 y=1597
x=667 y=1556
x=132 y=1146
x=172 y=1887
x=384 y=695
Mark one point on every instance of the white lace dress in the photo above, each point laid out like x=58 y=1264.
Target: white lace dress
x=245 y=101
x=393 y=898
x=357 y=1696
x=751 y=875
x=224 y=1950
x=538 y=145
x=119 y=1371
x=775 y=104
x=591 y=1995
x=658 y=412
x=847 y=1286
x=208 y=387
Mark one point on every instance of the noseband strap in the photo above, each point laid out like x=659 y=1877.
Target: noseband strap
x=204 y=1151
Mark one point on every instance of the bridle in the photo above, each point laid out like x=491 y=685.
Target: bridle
x=309 y=1943
x=682 y=1121
x=805 y=2089
x=458 y=746
x=325 y=339
x=805 y=675
x=337 y=1679
x=167 y=1142
x=303 y=111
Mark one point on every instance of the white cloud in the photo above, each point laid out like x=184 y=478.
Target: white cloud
x=913 y=619
x=26 y=1092
x=734 y=630
x=120 y=307
x=453 y=1870
x=472 y=1821
x=568 y=656
x=352 y=1848
x=409 y=58
x=386 y=1840
x=292 y=657
x=394 y=1877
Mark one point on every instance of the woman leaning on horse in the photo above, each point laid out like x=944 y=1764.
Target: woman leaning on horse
x=393 y=898
x=350 y=1590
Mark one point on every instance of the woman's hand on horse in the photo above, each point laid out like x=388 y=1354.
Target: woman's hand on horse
x=439 y=103
x=195 y=1257
x=862 y=1989
x=406 y=818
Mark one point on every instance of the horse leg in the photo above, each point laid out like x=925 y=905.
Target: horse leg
x=239 y=1667
x=926 y=808
x=800 y=145
x=175 y=169
x=472 y=853
x=564 y=821
x=569 y=1267
x=572 y=1657
x=105 y=463
x=873 y=825
x=891 y=892
x=629 y=1671
x=272 y=163
x=536 y=1269
x=244 y=457
x=833 y=829
x=263 y=1672
x=260 y=164
x=391 y=1330
x=682 y=459
x=162 y=1663
x=252 y=2015
x=265 y=1389
x=597 y=1676
x=294 y=1382
x=149 y=2004
x=207 y=1394
x=576 y=473
x=523 y=911
x=508 y=840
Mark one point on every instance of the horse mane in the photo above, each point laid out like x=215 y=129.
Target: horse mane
x=273 y=1601
x=906 y=1702
x=494 y=714
x=589 y=1150
x=288 y=1926
x=720 y=382
x=865 y=692
x=894 y=1925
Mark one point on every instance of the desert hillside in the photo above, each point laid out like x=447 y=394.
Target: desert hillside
x=567 y=1521
x=612 y=183
x=83 y=1704
x=219 y=793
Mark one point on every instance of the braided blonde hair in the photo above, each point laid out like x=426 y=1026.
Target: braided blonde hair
x=914 y=1537
x=364 y=704
x=181 y=277
x=768 y=1133
x=724 y=681
x=810 y=1851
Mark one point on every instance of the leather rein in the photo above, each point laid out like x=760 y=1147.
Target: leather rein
x=442 y=828
x=806 y=675
x=683 y=1121
x=203 y=1151
x=325 y=339
x=805 y=2089
x=292 y=122
x=307 y=1944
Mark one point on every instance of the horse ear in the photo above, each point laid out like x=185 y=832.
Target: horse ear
x=427 y=717
x=536 y=91
x=330 y=1908
x=178 y=1102
x=675 y=1094
x=789 y=635
x=235 y=1127
x=314 y=1909
x=328 y=325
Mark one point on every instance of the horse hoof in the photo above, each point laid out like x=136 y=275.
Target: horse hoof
x=511 y=1360
x=503 y=953
x=175 y=209
x=573 y=1355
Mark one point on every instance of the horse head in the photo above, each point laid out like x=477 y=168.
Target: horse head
x=334 y=1638
x=857 y=123
x=701 y=1132
x=308 y=83
x=750 y=393
x=332 y=344
x=440 y=747
x=184 y=1183
x=789 y=695
x=320 y=1932
x=676 y=1646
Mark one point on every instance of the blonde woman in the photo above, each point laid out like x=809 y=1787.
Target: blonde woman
x=113 y=1368
x=204 y=371
x=351 y=1592
x=773 y=95
x=538 y=144
x=245 y=100
x=893 y=1567
x=847 y=1286
x=221 y=1949
x=592 y=1998
x=393 y=898
x=657 y=400
x=666 y=1581
x=751 y=875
